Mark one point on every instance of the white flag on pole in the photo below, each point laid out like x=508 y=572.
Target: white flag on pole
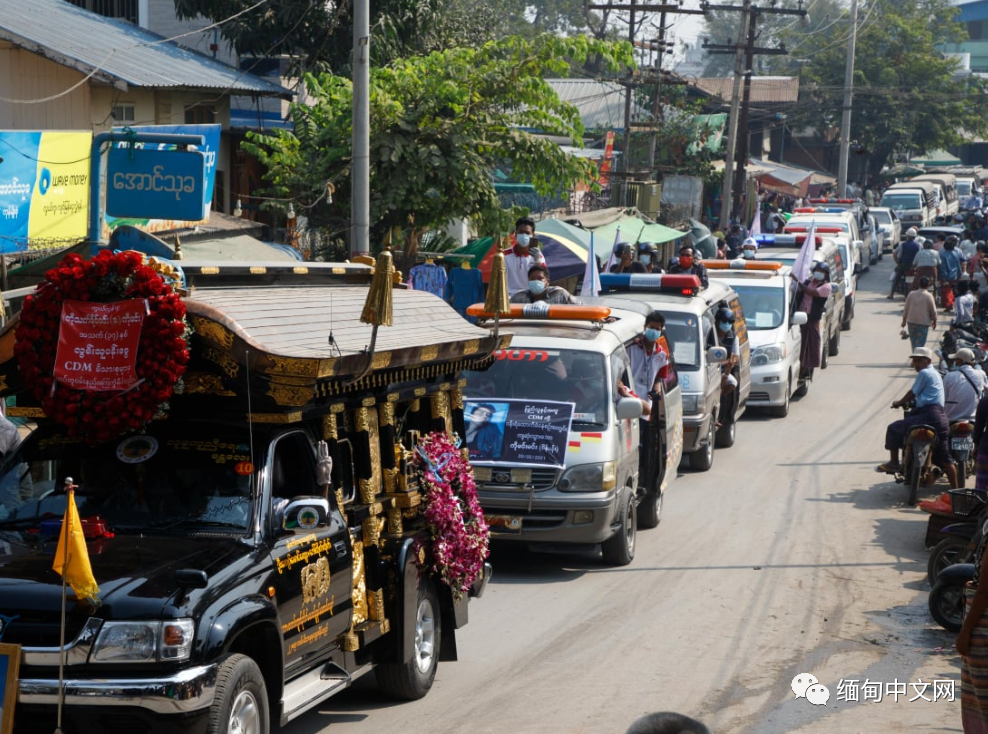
x=591 y=276
x=804 y=260
x=613 y=259
x=756 y=224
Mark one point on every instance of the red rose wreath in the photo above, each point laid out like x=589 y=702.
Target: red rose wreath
x=162 y=353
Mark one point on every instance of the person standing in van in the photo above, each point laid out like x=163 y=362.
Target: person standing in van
x=649 y=357
x=812 y=299
x=521 y=256
x=688 y=265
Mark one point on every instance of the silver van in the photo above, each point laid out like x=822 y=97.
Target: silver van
x=592 y=493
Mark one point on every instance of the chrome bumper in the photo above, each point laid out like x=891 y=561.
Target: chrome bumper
x=184 y=692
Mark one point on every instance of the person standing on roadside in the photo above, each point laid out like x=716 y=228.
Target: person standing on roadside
x=927 y=262
x=919 y=314
x=903 y=256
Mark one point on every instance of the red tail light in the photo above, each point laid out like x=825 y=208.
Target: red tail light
x=962 y=428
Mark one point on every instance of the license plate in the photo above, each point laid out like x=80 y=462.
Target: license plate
x=961 y=444
x=504 y=523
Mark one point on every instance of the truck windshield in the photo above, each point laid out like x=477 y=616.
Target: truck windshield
x=764 y=307
x=901 y=201
x=963 y=188
x=196 y=477
x=566 y=375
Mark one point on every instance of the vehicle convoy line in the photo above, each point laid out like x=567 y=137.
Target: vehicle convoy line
x=763 y=568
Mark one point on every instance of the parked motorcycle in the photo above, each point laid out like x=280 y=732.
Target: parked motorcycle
x=947 y=597
x=961 y=445
x=917 y=457
x=961 y=538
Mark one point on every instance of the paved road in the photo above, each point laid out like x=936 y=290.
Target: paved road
x=791 y=555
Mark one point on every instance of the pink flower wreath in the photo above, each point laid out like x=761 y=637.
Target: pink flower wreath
x=162 y=355
x=452 y=513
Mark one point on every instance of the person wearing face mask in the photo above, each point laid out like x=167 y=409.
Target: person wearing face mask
x=538 y=289
x=648 y=258
x=625 y=254
x=521 y=256
x=649 y=357
x=688 y=265
x=748 y=249
x=728 y=383
x=812 y=299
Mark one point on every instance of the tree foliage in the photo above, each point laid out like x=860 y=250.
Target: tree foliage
x=440 y=124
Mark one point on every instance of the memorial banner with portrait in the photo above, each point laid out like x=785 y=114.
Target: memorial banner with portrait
x=518 y=432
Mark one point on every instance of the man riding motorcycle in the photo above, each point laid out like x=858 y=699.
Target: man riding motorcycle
x=927 y=392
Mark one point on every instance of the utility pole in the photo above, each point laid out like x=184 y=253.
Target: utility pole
x=743 y=65
x=360 y=203
x=656 y=100
x=845 y=120
x=626 y=163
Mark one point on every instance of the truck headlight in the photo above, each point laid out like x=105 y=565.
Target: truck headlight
x=768 y=354
x=689 y=403
x=589 y=478
x=144 y=642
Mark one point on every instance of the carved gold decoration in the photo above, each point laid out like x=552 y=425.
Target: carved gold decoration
x=3 y=378
x=394 y=521
x=339 y=271
x=385 y=626
x=337 y=408
x=440 y=405
x=376 y=601
x=456 y=396
x=421 y=555
x=381 y=360
x=471 y=347
x=360 y=420
x=359 y=584
x=367 y=493
x=293 y=417
x=209 y=270
x=430 y=353
x=290 y=394
x=211 y=330
x=351 y=643
x=419 y=392
x=315 y=580
x=25 y=412
x=226 y=363
x=330 y=428
x=389 y=479
x=375 y=509
x=292 y=366
x=369 y=402
x=299 y=270
x=405 y=499
x=372 y=530
x=386 y=414
x=206 y=384
x=258 y=270
x=339 y=501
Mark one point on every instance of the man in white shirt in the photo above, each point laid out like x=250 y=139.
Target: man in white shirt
x=520 y=257
x=963 y=386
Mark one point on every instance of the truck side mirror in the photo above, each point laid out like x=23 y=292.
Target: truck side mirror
x=857 y=268
x=799 y=318
x=716 y=355
x=305 y=512
x=628 y=408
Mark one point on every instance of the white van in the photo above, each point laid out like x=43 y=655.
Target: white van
x=913 y=203
x=690 y=314
x=573 y=355
x=946 y=184
x=773 y=329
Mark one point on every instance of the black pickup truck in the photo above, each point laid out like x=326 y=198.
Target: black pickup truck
x=261 y=546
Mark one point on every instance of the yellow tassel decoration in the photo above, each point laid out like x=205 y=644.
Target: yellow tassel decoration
x=497 y=290
x=377 y=308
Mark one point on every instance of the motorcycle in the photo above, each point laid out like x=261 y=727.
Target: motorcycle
x=947 y=597
x=961 y=443
x=961 y=539
x=917 y=457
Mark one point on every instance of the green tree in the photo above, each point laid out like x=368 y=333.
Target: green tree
x=906 y=94
x=440 y=124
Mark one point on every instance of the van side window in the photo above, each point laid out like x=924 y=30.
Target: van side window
x=293 y=470
x=620 y=370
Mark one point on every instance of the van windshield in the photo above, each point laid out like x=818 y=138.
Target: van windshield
x=764 y=308
x=963 y=188
x=683 y=333
x=566 y=375
x=901 y=201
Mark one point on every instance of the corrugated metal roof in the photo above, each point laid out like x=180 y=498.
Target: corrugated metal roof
x=601 y=104
x=120 y=53
x=763 y=88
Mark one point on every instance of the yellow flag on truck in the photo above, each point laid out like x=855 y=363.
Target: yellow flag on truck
x=72 y=557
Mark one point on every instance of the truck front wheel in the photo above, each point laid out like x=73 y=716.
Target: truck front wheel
x=241 y=700
x=413 y=678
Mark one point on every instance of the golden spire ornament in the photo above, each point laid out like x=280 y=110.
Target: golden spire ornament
x=377 y=307
x=497 y=290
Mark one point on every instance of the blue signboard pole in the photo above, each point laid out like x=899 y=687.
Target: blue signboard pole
x=96 y=167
